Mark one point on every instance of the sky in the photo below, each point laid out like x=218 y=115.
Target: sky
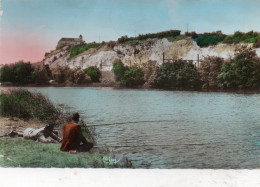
x=30 y=28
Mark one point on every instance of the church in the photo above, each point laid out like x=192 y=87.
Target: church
x=70 y=42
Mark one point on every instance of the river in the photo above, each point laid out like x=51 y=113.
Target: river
x=170 y=129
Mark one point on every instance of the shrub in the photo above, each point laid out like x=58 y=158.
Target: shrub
x=6 y=74
x=60 y=74
x=208 y=39
x=93 y=72
x=119 y=70
x=133 y=77
x=250 y=37
x=81 y=48
x=22 y=72
x=26 y=105
x=141 y=37
x=242 y=72
x=129 y=77
x=69 y=76
x=178 y=75
x=176 y=38
x=42 y=75
x=209 y=69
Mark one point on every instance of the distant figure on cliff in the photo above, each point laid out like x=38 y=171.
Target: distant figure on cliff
x=73 y=137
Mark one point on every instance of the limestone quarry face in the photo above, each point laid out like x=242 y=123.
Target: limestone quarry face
x=141 y=54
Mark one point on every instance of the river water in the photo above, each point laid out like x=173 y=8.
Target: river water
x=171 y=129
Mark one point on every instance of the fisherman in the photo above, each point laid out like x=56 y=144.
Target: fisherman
x=44 y=134
x=73 y=137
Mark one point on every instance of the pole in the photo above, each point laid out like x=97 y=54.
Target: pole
x=163 y=56
x=198 y=60
x=101 y=70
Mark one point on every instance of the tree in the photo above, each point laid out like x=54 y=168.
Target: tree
x=178 y=75
x=22 y=72
x=133 y=77
x=242 y=72
x=119 y=70
x=93 y=72
x=209 y=69
x=6 y=74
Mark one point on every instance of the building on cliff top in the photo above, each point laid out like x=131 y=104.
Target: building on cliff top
x=70 y=42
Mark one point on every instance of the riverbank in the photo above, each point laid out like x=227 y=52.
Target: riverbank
x=22 y=109
x=118 y=87
x=19 y=152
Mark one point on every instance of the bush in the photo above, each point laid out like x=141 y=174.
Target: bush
x=26 y=105
x=93 y=72
x=177 y=76
x=208 y=39
x=20 y=72
x=176 y=38
x=119 y=70
x=81 y=48
x=6 y=74
x=209 y=69
x=141 y=37
x=129 y=77
x=133 y=77
x=69 y=76
x=250 y=37
x=242 y=72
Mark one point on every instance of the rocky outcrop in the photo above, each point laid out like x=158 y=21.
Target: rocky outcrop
x=147 y=55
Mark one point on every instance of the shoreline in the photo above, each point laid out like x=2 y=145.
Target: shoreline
x=110 y=87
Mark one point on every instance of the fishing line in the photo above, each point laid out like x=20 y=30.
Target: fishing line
x=156 y=145
x=106 y=124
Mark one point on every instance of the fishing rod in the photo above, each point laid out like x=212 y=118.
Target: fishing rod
x=129 y=122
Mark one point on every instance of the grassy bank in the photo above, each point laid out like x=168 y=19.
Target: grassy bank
x=18 y=152
x=26 y=105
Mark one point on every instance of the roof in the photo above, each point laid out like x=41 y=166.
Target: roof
x=70 y=39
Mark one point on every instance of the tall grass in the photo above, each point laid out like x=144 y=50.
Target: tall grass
x=26 y=105
x=19 y=152
x=81 y=48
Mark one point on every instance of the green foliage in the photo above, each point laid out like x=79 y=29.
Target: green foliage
x=176 y=38
x=134 y=42
x=129 y=77
x=209 y=39
x=210 y=68
x=18 y=73
x=133 y=77
x=35 y=75
x=19 y=152
x=26 y=105
x=177 y=76
x=250 y=37
x=119 y=70
x=66 y=75
x=42 y=75
x=242 y=72
x=6 y=74
x=81 y=48
x=142 y=37
x=22 y=72
x=93 y=72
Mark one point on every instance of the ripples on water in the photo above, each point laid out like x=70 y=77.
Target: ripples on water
x=205 y=130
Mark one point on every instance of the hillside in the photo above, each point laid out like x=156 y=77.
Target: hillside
x=147 y=54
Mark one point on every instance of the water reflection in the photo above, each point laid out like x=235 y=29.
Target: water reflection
x=204 y=130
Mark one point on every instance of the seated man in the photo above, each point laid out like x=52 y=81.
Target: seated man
x=72 y=137
x=44 y=134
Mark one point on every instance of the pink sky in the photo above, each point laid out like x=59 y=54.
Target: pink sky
x=19 y=46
